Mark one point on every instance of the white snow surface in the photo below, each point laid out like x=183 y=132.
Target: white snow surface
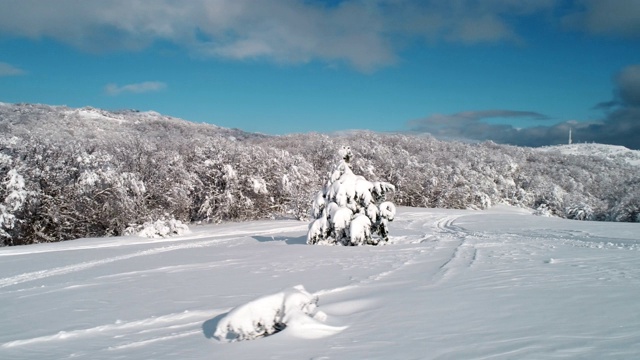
x=451 y=284
x=94 y=114
x=611 y=152
x=291 y=308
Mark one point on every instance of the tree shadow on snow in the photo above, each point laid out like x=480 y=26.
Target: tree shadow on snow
x=209 y=326
x=301 y=240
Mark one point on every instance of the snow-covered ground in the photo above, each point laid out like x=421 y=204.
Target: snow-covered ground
x=611 y=152
x=495 y=284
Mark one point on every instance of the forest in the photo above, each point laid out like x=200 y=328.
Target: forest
x=68 y=173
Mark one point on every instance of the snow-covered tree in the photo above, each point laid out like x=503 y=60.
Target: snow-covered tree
x=13 y=202
x=350 y=210
x=68 y=173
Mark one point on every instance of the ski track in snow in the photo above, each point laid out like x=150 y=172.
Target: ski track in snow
x=441 y=248
x=120 y=328
x=41 y=274
x=450 y=242
x=130 y=241
x=455 y=241
x=123 y=335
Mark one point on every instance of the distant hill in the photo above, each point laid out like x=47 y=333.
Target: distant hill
x=610 y=152
x=91 y=122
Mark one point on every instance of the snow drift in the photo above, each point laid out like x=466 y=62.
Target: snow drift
x=293 y=308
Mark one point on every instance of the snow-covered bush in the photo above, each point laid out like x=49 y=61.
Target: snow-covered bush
x=628 y=208
x=579 y=212
x=543 y=210
x=160 y=228
x=268 y=314
x=350 y=210
x=15 y=196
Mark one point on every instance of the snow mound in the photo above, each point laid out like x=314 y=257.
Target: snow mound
x=294 y=309
x=159 y=229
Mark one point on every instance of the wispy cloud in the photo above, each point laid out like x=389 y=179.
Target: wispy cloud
x=467 y=117
x=613 y=17
x=627 y=83
x=10 y=70
x=137 y=88
x=365 y=34
x=620 y=124
x=470 y=124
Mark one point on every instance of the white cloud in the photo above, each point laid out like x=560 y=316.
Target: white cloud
x=610 y=17
x=470 y=124
x=367 y=34
x=620 y=124
x=10 y=70
x=137 y=88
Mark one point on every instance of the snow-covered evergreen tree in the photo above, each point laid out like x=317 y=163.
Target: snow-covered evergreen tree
x=350 y=210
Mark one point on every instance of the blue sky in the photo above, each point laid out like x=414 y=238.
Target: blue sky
x=512 y=71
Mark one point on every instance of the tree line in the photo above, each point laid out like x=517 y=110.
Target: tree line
x=70 y=173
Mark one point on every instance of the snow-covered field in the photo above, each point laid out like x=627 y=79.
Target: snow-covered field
x=611 y=152
x=495 y=284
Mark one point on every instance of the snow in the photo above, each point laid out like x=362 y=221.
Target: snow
x=611 y=152
x=387 y=210
x=348 y=204
x=16 y=190
x=14 y=201
x=259 y=186
x=341 y=219
x=450 y=284
x=360 y=230
x=159 y=229
x=94 y=114
x=293 y=308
